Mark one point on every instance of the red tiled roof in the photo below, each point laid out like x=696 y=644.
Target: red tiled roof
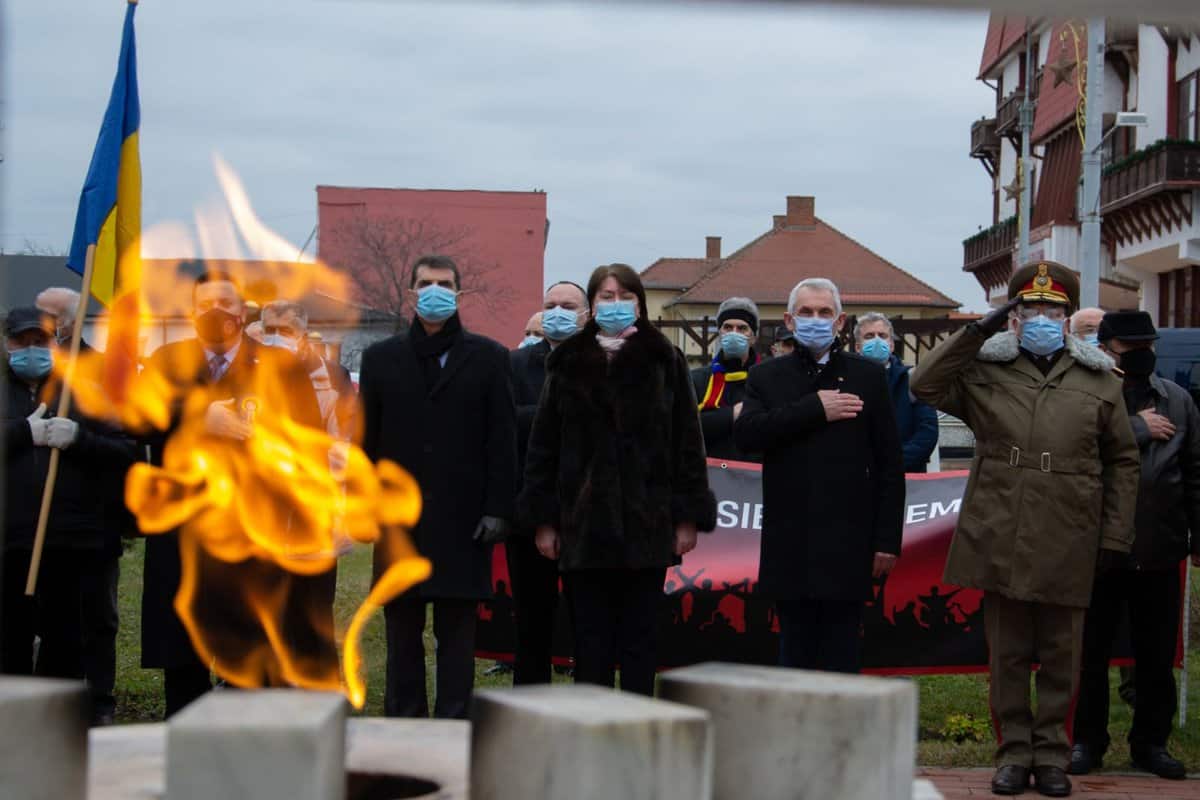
x=1056 y=104
x=676 y=273
x=1003 y=33
x=766 y=270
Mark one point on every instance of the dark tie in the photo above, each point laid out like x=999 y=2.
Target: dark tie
x=216 y=367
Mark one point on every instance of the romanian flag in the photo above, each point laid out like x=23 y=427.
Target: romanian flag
x=110 y=215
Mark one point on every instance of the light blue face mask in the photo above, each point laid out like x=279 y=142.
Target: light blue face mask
x=1093 y=339
x=1041 y=335
x=436 y=303
x=279 y=340
x=735 y=345
x=876 y=349
x=529 y=341
x=614 y=316
x=31 y=363
x=814 y=334
x=559 y=323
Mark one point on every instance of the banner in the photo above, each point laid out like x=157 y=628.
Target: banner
x=713 y=611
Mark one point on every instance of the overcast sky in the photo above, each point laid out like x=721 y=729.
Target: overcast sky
x=649 y=128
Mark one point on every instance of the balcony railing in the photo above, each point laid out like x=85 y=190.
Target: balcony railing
x=987 y=245
x=1008 y=113
x=984 y=139
x=1162 y=167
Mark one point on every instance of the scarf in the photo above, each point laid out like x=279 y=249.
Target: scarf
x=429 y=349
x=613 y=344
x=719 y=376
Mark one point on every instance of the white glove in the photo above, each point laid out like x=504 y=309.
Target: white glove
x=61 y=432
x=37 y=425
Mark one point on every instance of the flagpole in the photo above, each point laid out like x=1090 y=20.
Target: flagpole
x=64 y=406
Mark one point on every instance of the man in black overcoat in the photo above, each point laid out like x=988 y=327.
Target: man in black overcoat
x=438 y=401
x=218 y=374
x=833 y=482
x=534 y=578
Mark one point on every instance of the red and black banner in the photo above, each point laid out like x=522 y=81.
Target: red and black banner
x=915 y=624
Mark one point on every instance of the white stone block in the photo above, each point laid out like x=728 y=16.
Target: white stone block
x=784 y=733
x=273 y=744
x=587 y=743
x=925 y=790
x=43 y=739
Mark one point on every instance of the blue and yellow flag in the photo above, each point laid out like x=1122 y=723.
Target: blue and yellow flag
x=110 y=206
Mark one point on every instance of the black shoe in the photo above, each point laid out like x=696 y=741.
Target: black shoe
x=1158 y=761
x=1010 y=779
x=1051 y=781
x=1084 y=760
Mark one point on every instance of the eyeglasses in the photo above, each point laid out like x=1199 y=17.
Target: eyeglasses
x=1050 y=311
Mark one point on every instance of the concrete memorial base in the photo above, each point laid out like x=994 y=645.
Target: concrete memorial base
x=43 y=739
x=273 y=744
x=587 y=743
x=925 y=790
x=783 y=733
x=385 y=760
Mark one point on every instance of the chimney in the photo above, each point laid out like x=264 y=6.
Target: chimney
x=801 y=211
x=712 y=248
x=780 y=221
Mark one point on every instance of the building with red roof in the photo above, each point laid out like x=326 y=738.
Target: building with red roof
x=1150 y=189
x=798 y=245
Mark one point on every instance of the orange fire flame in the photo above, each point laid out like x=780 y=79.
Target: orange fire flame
x=262 y=521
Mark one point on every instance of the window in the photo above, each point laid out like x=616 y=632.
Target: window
x=1189 y=107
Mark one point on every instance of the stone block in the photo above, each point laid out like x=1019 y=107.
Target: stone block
x=272 y=744
x=587 y=743
x=925 y=790
x=43 y=739
x=784 y=733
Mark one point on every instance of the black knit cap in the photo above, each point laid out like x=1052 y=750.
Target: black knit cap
x=742 y=308
x=28 y=318
x=1128 y=326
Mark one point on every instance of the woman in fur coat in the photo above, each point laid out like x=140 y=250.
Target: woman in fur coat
x=615 y=480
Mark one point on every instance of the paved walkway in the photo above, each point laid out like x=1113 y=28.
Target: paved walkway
x=960 y=784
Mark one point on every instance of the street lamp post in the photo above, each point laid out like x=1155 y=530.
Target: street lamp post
x=1089 y=271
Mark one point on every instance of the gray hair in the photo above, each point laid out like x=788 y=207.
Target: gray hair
x=869 y=318
x=60 y=303
x=821 y=284
x=282 y=307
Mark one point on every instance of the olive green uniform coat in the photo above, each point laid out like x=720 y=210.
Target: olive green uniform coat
x=1056 y=468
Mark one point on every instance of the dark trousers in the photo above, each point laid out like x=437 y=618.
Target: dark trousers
x=821 y=633
x=1152 y=599
x=534 y=581
x=182 y=685
x=616 y=614
x=454 y=635
x=1019 y=634
x=74 y=614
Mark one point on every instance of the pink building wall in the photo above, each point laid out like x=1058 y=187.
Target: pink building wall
x=503 y=233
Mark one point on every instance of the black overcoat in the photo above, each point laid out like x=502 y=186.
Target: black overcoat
x=457 y=438
x=528 y=379
x=833 y=492
x=616 y=458
x=165 y=642
x=717 y=423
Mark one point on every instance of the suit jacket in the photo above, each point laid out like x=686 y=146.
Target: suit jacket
x=165 y=642
x=458 y=439
x=833 y=492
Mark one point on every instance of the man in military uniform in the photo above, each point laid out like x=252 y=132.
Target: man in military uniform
x=1050 y=502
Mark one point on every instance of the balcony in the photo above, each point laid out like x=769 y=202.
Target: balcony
x=985 y=142
x=988 y=254
x=1149 y=192
x=1008 y=113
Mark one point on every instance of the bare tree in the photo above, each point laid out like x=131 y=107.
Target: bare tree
x=378 y=253
x=33 y=248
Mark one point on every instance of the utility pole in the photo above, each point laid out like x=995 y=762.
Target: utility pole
x=1089 y=268
x=1025 y=123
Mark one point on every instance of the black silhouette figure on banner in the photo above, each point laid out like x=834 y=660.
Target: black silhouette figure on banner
x=939 y=611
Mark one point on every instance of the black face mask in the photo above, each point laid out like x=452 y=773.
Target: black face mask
x=1138 y=363
x=216 y=326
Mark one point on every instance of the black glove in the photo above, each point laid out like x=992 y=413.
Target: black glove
x=1111 y=561
x=491 y=530
x=996 y=320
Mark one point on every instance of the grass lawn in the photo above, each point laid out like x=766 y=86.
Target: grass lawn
x=139 y=691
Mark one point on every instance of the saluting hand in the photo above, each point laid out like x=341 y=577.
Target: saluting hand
x=1160 y=427
x=840 y=405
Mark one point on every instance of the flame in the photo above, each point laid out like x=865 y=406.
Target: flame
x=261 y=521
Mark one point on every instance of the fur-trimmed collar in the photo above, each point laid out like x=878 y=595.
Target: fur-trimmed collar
x=583 y=349
x=1005 y=347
